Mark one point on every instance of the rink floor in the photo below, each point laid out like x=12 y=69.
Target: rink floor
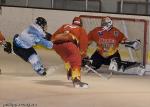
x=21 y=86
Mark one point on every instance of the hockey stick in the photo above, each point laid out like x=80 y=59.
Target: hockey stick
x=98 y=74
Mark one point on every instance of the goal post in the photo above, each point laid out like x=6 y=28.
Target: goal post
x=133 y=29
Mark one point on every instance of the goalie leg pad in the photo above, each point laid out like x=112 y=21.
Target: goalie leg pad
x=134 y=70
x=127 y=65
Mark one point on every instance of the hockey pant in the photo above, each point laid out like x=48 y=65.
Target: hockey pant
x=70 y=54
x=98 y=60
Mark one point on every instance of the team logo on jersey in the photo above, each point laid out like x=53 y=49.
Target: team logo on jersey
x=116 y=33
x=100 y=33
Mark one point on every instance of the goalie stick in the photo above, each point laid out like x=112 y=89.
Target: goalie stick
x=98 y=74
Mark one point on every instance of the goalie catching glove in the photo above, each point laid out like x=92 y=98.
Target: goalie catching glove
x=136 y=45
x=86 y=61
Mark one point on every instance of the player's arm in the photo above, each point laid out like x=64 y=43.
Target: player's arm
x=121 y=37
x=135 y=44
x=44 y=42
x=62 y=38
x=91 y=36
x=48 y=36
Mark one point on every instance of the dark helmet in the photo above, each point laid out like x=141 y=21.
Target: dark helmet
x=77 y=21
x=41 y=21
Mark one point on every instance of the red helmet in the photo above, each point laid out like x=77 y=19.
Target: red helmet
x=77 y=21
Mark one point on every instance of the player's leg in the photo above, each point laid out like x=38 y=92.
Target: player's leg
x=68 y=69
x=30 y=55
x=97 y=60
x=75 y=62
x=36 y=64
x=125 y=66
x=132 y=68
x=60 y=49
x=71 y=55
x=76 y=78
x=114 y=62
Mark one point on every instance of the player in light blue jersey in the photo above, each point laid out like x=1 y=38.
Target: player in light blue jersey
x=33 y=35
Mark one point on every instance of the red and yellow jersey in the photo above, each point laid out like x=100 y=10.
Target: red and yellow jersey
x=1 y=38
x=78 y=33
x=107 y=41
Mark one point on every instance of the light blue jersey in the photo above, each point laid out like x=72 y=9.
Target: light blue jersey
x=32 y=36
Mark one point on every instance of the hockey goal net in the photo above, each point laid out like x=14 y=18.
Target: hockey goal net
x=132 y=28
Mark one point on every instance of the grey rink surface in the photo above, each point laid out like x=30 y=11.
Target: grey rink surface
x=21 y=86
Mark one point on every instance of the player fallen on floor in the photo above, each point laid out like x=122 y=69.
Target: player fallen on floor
x=70 y=42
x=107 y=37
x=23 y=44
x=5 y=44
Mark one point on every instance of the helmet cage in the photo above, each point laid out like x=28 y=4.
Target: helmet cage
x=106 y=23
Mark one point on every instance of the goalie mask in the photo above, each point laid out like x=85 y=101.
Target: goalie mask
x=41 y=22
x=77 y=21
x=106 y=23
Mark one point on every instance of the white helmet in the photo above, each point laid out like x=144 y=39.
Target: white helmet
x=106 y=23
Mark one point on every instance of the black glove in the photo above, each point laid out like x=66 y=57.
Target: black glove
x=7 y=47
x=86 y=61
x=48 y=36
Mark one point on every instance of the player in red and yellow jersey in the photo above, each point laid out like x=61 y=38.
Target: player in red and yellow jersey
x=70 y=42
x=107 y=38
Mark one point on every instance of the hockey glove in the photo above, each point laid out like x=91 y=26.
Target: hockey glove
x=7 y=47
x=48 y=36
x=86 y=61
x=136 y=45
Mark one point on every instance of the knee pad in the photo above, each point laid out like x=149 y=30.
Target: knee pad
x=113 y=65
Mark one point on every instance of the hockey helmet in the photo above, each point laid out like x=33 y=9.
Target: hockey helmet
x=41 y=22
x=106 y=23
x=77 y=21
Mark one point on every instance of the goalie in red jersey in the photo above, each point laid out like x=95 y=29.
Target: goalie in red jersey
x=70 y=42
x=108 y=38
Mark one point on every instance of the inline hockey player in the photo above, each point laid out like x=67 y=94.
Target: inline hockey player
x=23 y=44
x=70 y=42
x=108 y=38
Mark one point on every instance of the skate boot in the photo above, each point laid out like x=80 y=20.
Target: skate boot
x=42 y=72
x=78 y=84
